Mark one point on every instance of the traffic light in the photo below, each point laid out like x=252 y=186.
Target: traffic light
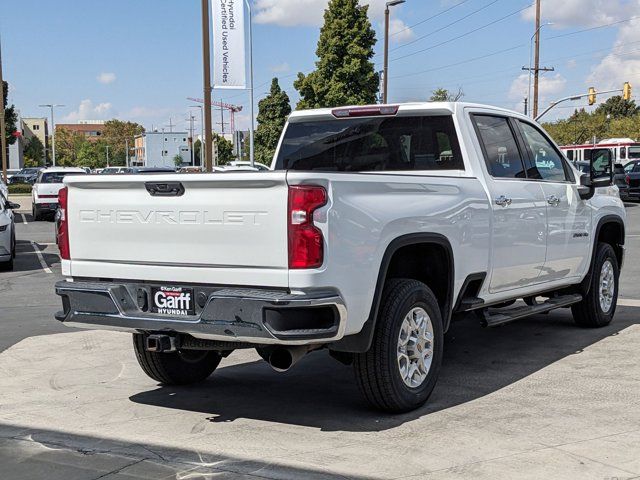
x=592 y=96
x=626 y=91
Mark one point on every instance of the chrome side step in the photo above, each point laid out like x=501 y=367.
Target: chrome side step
x=492 y=317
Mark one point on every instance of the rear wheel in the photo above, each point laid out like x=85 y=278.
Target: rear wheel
x=599 y=305
x=400 y=370
x=177 y=368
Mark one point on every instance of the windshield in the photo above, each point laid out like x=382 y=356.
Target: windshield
x=28 y=171
x=634 y=152
x=56 y=177
x=371 y=144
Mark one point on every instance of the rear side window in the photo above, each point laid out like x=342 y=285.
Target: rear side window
x=500 y=147
x=371 y=144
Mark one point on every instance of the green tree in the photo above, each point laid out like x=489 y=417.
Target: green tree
x=444 y=95
x=92 y=154
x=34 y=151
x=344 y=72
x=177 y=160
x=618 y=107
x=68 y=146
x=197 y=152
x=273 y=111
x=10 y=117
x=224 y=149
x=116 y=133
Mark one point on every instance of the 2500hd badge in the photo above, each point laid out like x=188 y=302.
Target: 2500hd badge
x=173 y=301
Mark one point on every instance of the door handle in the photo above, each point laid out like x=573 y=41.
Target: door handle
x=503 y=201
x=553 y=200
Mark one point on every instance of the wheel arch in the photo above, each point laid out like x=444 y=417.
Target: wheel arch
x=610 y=229
x=437 y=253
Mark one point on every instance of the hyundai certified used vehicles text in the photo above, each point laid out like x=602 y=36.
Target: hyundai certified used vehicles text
x=378 y=227
x=44 y=194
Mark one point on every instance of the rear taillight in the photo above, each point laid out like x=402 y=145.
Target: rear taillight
x=63 y=224
x=627 y=180
x=305 y=239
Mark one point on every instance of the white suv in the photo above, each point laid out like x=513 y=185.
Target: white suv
x=7 y=233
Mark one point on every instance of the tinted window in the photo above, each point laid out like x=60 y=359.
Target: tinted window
x=634 y=152
x=56 y=177
x=546 y=159
x=570 y=154
x=623 y=153
x=501 y=150
x=371 y=144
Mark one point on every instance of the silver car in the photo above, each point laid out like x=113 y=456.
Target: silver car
x=7 y=233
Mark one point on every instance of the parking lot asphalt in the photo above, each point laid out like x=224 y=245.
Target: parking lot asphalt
x=539 y=398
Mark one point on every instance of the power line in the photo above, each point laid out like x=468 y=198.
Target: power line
x=462 y=35
x=445 y=26
x=431 y=17
x=593 y=28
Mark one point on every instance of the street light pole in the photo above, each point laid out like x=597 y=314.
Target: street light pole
x=206 y=67
x=3 y=132
x=202 y=146
x=385 y=71
x=52 y=107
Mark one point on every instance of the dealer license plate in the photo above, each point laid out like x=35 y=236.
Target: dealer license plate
x=177 y=301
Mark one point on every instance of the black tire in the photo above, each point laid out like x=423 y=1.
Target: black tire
x=378 y=371
x=589 y=313
x=7 y=266
x=37 y=216
x=177 y=368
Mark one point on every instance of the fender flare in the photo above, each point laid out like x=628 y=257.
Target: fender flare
x=361 y=342
x=585 y=285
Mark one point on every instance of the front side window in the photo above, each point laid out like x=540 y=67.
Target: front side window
x=371 y=144
x=546 y=159
x=501 y=149
x=623 y=153
x=628 y=168
x=634 y=152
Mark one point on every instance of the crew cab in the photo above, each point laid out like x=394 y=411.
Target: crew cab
x=378 y=226
x=44 y=193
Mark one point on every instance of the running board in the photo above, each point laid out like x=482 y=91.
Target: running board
x=492 y=317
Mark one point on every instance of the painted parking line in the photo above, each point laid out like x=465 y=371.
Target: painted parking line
x=43 y=264
x=628 y=302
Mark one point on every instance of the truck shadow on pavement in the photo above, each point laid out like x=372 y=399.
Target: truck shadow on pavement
x=321 y=393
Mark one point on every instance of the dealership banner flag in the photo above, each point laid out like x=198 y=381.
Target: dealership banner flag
x=229 y=69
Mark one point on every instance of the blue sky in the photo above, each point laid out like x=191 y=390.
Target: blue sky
x=139 y=59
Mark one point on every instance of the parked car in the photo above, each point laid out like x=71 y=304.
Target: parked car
x=257 y=165
x=378 y=226
x=631 y=178
x=112 y=170
x=7 y=233
x=44 y=193
x=26 y=175
x=4 y=190
x=11 y=172
x=190 y=169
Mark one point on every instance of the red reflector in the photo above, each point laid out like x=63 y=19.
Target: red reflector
x=63 y=225
x=305 y=239
x=48 y=196
x=365 y=111
x=627 y=180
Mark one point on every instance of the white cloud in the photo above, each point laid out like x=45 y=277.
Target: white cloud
x=281 y=68
x=399 y=31
x=622 y=64
x=293 y=13
x=87 y=110
x=106 y=78
x=575 y=13
x=550 y=88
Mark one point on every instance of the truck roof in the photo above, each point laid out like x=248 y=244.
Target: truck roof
x=442 y=108
x=64 y=169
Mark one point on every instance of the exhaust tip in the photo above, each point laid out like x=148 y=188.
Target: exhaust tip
x=281 y=359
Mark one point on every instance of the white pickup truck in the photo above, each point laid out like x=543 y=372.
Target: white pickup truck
x=375 y=227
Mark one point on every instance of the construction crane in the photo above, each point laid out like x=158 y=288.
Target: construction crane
x=233 y=109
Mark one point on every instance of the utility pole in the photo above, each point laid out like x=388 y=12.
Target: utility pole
x=526 y=106
x=170 y=125
x=206 y=68
x=202 y=146
x=191 y=119
x=126 y=152
x=3 y=131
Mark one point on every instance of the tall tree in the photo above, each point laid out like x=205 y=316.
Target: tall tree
x=34 y=150
x=273 y=111
x=197 y=152
x=10 y=117
x=618 y=107
x=345 y=74
x=68 y=146
x=224 y=149
x=444 y=95
x=116 y=134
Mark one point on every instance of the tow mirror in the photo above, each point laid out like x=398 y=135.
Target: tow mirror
x=600 y=173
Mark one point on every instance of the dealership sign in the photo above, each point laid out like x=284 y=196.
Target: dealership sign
x=228 y=44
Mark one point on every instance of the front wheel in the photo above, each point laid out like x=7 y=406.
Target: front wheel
x=599 y=305
x=177 y=368
x=401 y=368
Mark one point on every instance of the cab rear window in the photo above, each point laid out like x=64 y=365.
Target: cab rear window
x=371 y=144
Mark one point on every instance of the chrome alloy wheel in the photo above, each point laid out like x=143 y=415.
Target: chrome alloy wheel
x=415 y=347
x=607 y=286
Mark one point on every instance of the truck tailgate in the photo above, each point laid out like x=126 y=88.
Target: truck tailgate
x=220 y=228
